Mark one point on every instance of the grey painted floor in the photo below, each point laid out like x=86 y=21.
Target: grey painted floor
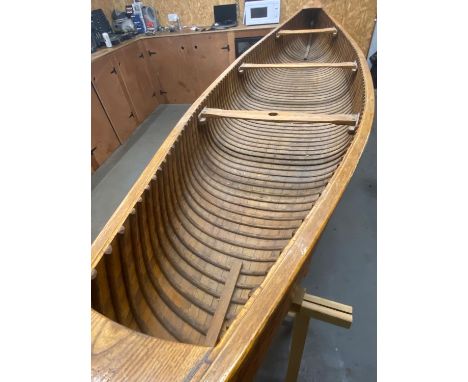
x=343 y=266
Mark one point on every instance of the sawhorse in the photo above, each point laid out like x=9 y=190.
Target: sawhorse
x=305 y=306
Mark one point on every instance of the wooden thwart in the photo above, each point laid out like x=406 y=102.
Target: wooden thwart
x=284 y=32
x=279 y=116
x=223 y=305
x=301 y=65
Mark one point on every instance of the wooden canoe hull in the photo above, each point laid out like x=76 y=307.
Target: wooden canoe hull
x=194 y=270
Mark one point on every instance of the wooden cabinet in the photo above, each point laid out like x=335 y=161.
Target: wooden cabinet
x=107 y=82
x=130 y=80
x=104 y=141
x=209 y=56
x=133 y=63
x=187 y=65
x=174 y=68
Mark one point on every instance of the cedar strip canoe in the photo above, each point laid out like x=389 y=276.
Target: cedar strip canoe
x=195 y=269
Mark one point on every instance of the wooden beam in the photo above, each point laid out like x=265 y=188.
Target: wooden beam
x=279 y=116
x=301 y=65
x=284 y=32
x=223 y=305
x=325 y=310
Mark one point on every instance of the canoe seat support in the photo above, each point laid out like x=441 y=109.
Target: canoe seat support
x=300 y=65
x=306 y=306
x=350 y=120
x=223 y=304
x=287 y=32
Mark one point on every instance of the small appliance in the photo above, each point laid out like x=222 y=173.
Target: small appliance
x=258 y=12
x=225 y=16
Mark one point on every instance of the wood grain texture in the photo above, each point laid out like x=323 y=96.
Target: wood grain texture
x=229 y=191
x=103 y=138
x=279 y=116
x=357 y=16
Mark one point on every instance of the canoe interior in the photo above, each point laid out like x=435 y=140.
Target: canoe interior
x=231 y=193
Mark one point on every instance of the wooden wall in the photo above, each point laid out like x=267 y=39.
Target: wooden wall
x=357 y=16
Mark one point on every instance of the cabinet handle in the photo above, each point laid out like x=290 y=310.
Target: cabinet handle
x=150 y=52
x=162 y=92
x=154 y=94
x=141 y=55
x=226 y=47
x=113 y=71
x=131 y=115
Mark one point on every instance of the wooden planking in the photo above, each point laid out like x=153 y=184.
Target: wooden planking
x=292 y=32
x=223 y=305
x=280 y=116
x=300 y=65
x=243 y=336
x=243 y=167
x=103 y=138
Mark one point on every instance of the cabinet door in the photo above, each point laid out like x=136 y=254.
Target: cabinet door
x=176 y=71
x=104 y=141
x=209 y=55
x=107 y=83
x=133 y=63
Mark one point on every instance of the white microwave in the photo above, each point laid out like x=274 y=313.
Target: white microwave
x=261 y=12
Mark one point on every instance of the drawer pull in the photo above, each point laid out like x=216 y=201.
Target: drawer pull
x=150 y=52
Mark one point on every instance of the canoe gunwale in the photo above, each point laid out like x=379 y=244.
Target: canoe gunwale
x=225 y=360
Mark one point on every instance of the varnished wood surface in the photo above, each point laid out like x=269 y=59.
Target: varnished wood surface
x=279 y=116
x=226 y=192
x=289 y=32
x=301 y=65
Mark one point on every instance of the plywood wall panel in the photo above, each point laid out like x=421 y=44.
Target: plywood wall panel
x=357 y=16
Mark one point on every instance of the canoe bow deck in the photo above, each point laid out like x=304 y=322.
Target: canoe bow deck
x=196 y=266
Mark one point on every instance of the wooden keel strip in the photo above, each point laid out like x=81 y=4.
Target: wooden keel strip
x=284 y=32
x=301 y=65
x=223 y=305
x=279 y=116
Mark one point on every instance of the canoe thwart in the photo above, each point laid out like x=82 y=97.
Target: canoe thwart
x=301 y=65
x=279 y=116
x=284 y=32
x=223 y=304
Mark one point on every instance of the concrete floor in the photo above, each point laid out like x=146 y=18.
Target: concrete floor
x=343 y=266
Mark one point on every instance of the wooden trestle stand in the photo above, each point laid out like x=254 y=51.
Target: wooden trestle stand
x=304 y=307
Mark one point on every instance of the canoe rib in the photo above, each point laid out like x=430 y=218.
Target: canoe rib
x=250 y=191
